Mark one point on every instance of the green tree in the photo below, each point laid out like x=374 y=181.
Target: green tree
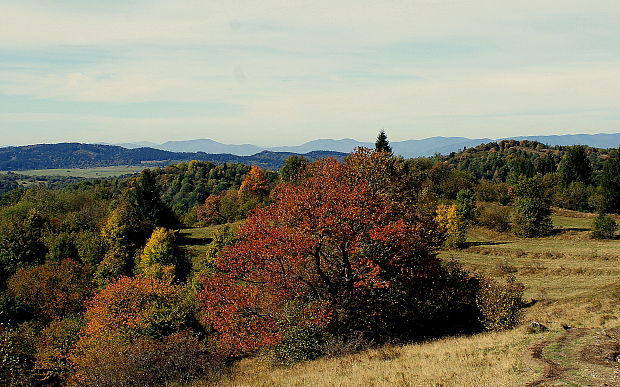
x=466 y=204
x=145 y=200
x=382 y=144
x=576 y=166
x=610 y=183
x=532 y=208
x=604 y=227
x=293 y=168
x=21 y=244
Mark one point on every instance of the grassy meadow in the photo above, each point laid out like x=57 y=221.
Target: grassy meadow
x=100 y=172
x=572 y=286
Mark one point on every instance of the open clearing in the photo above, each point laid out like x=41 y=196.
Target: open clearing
x=115 y=171
x=571 y=282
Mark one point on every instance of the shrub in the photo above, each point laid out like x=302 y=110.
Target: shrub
x=494 y=217
x=176 y=359
x=298 y=344
x=125 y=312
x=604 y=227
x=500 y=303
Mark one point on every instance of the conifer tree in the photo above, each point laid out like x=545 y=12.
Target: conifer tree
x=382 y=144
x=610 y=183
x=576 y=166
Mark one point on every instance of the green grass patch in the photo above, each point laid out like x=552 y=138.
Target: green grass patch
x=101 y=172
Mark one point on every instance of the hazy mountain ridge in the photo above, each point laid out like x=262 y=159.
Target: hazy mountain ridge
x=407 y=148
x=77 y=155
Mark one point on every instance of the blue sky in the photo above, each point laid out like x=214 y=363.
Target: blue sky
x=285 y=72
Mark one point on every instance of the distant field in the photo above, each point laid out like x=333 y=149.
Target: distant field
x=118 y=170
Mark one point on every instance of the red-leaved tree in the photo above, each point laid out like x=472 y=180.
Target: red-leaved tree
x=329 y=252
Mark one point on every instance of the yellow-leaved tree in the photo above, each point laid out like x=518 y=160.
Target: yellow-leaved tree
x=161 y=258
x=451 y=222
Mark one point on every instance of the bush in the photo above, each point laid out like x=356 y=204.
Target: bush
x=500 y=303
x=176 y=359
x=604 y=227
x=494 y=217
x=298 y=344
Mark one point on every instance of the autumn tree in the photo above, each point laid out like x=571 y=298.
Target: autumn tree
x=53 y=290
x=452 y=222
x=255 y=182
x=329 y=253
x=161 y=257
x=127 y=310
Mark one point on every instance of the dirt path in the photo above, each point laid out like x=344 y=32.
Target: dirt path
x=579 y=356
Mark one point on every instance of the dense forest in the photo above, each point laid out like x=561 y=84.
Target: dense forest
x=315 y=258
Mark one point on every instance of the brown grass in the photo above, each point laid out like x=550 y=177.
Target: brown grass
x=492 y=359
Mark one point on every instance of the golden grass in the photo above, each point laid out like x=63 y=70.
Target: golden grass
x=490 y=359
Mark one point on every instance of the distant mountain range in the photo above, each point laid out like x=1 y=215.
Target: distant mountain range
x=75 y=155
x=407 y=149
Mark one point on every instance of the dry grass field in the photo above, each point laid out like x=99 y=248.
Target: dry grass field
x=571 y=281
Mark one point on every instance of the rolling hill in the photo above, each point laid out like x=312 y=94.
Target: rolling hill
x=76 y=155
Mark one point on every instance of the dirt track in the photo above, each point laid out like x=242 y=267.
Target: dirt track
x=579 y=356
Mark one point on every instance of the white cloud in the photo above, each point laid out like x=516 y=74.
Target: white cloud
x=442 y=67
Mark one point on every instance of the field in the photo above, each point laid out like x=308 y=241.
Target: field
x=118 y=170
x=573 y=288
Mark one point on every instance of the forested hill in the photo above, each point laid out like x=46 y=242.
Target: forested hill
x=76 y=155
x=496 y=160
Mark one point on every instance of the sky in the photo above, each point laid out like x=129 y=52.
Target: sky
x=285 y=72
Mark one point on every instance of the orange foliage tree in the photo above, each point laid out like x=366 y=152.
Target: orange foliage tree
x=53 y=290
x=126 y=310
x=255 y=182
x=329 y=252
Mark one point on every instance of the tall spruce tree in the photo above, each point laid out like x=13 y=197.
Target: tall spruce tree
x=610 y=183
x=382 y=144
x=576 y=166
